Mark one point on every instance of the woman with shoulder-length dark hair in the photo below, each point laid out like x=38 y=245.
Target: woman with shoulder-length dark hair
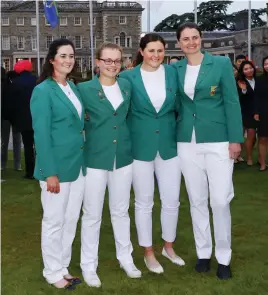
x=246 y=88
x=261 y=113
x=209 y=133
x=58 y=122
x=153 y=131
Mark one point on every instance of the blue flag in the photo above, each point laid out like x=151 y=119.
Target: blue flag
x=51 y=13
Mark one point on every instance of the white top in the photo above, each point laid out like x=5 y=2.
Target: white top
x=155 y=85
x=72 y=97
x=113 y=94
x=252 y=83
x=190 y=80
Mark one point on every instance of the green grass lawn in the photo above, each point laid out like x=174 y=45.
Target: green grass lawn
x=22 y=263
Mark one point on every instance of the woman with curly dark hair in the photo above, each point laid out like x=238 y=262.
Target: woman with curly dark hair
x=58 y=123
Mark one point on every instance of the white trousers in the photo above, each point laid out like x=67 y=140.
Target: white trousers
x=207 y=168
x=61 y=213
x=119 y=186
x=168 y=175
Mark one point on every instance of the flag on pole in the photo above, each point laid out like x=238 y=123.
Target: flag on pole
x=51 y=13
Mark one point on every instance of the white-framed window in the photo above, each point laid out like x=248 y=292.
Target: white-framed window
x=63 y=21
x=129 y=42
x=34 y=42
x=5 y=42
x=78 y=42
x=222 y=43
x=20 y=42
x=5 y=21
x=117 y=41
x=231 y=43
x=6 y=64
x=207 y=45
x=94 y=21
x=78 y=64
x=77 y=21
x=122 y=39
x=49 y=40
x=63 y=36
x=20 y=21
x=122 y=19
x=33 y=21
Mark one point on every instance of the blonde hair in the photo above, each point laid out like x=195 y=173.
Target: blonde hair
x=108 y=45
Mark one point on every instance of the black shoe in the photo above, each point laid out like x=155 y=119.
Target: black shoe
x=224 y=272
x=28 y=177
x=202 y=265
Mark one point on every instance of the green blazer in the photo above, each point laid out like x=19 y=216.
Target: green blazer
x=152 y=132
x=107 y=133
x=215 y=110
x=58 y=133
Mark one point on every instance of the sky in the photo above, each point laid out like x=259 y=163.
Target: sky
x=162 y=9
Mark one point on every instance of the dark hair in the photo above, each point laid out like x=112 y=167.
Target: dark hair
x=187 y=26
x=240 y=56
x=150 y=37
x=234 y=66
x=48 y=68
x=265 y=73
x=11 y=75
x=241 y=75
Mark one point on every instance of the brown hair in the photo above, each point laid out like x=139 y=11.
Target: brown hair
x=187 y=26
x=108 y=46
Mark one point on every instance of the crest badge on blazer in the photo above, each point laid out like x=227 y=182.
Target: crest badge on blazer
x=213 y=90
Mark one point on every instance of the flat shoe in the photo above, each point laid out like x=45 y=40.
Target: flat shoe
x=74 y=280
x=176 y=260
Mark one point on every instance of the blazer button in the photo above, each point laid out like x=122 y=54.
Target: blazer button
x=114 y=141
x=193 y=115
x=115 y=113
x=115 y=127
x=81 y=147
x=156 y=117
x=157 y=131
x=81 y=131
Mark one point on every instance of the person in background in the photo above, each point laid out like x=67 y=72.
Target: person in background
x=209 y=133
x=174 y=59
x=108 y=160
x=153 y=130
x=21 y=93
x=235 y=69
x=239 y=59
x=7 y=114
x=261 y=114
x=58 y=123
x=246 y=86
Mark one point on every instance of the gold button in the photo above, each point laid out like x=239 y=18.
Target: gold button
x=114 y=141
x=81 y=147
x=115 y=127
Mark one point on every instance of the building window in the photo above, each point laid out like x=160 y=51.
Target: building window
x=122 y=20
x=78 y=61
x=129 y=43
x=20 y=42
x=63 y=37
x=34 y=43
x=122 y=38
x=77 y=21
x=5 y=42
x=5 y=21
x=207 y=45
x=231 y=43
x=78 y=42
x=33 y=21
x=94 y=21
x=49 y=40
x=222 y=44
x=6 y=64
x=20 y=21
x=63 y=21
x=117 y=40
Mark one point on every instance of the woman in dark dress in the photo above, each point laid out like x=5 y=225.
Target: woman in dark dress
x=246 y=89
x=261 y=113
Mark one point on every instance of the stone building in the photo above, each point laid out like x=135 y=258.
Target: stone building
x=225 y=43
x=118 y=22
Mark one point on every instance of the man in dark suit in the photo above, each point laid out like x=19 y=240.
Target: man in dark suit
x=21 y=117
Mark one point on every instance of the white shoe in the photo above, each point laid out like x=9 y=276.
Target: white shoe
x=131 y=270
x=156 y=269
x=176 y=260
x=92 y=279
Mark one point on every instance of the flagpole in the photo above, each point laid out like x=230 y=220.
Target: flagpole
x=37 y=36
x=149 y=16
x=195 y=11
x=91 y=38
x=249 y=29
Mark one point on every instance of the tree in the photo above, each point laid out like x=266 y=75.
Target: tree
x=172 y=22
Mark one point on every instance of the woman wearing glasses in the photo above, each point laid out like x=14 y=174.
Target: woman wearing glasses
x=108 y=160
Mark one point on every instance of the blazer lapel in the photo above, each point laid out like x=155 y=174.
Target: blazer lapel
x=76 y=92
x=125 y=93
x=168 y=87
x=101 y=95
x=62 y=96
x=204 y=69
